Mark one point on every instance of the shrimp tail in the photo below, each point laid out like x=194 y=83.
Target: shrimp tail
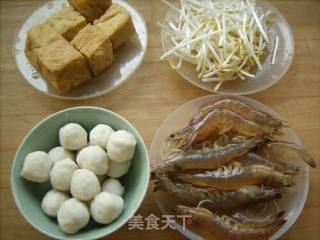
x=280 y=214
x=283 y=123
x=289 y=168
x=306 y=157
x=277 y=224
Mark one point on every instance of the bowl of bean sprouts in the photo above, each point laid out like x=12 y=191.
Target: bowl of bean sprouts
x=234 y=47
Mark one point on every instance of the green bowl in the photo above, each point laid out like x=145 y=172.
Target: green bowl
x=43 y=137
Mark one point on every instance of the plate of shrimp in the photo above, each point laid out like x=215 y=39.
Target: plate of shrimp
x=232 y=166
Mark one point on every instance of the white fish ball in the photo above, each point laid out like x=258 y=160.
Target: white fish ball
x=59 y=153
x=84 y=185
x=117 y=170
x=73 y=136
x=113 y=186
x=100 y=134
x=93 y=158
x=36 y=167
x=73 y=215
x=121 y=146
x=106 y=207
x=61 y=174
x=52 y=201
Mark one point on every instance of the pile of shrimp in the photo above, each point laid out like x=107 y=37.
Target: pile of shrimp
x=228 y=159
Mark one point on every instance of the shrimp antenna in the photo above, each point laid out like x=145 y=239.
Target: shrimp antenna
x=276 y=205
x=204 y=201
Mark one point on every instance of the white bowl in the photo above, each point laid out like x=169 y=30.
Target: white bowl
x=127 y=58
x=265 y=78
x=292 y=201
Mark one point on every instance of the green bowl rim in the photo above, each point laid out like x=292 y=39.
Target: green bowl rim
x=13 y=190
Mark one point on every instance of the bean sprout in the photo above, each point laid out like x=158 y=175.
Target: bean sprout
x=225 y=39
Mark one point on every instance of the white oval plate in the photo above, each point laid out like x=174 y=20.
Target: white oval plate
x=292 y=202
x=265 y=78
x=127 y=58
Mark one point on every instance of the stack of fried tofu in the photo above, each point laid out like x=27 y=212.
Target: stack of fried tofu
x=78 y=42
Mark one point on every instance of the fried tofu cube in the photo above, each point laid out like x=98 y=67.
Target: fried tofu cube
x=114 y=10
x=63 y=66
x=95 y=47
x=68 y=22
x=117 y=25
x=91 y=9
x=38 y=36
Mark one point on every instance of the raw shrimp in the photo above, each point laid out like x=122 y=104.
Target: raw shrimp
x=277 y=149
x=219 y=200
x=243 y=109
x=235 y=176
x=207 y=159
x=219 y=122
x=254 y=159
x=224 y=227
x=257 y=222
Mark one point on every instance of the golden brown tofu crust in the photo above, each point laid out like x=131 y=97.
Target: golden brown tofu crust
x=63 y=66
x=119 y=28
x=68 y=22
x=113 y=10
x=38 y=36
x=91 y=9
x=95 y=47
